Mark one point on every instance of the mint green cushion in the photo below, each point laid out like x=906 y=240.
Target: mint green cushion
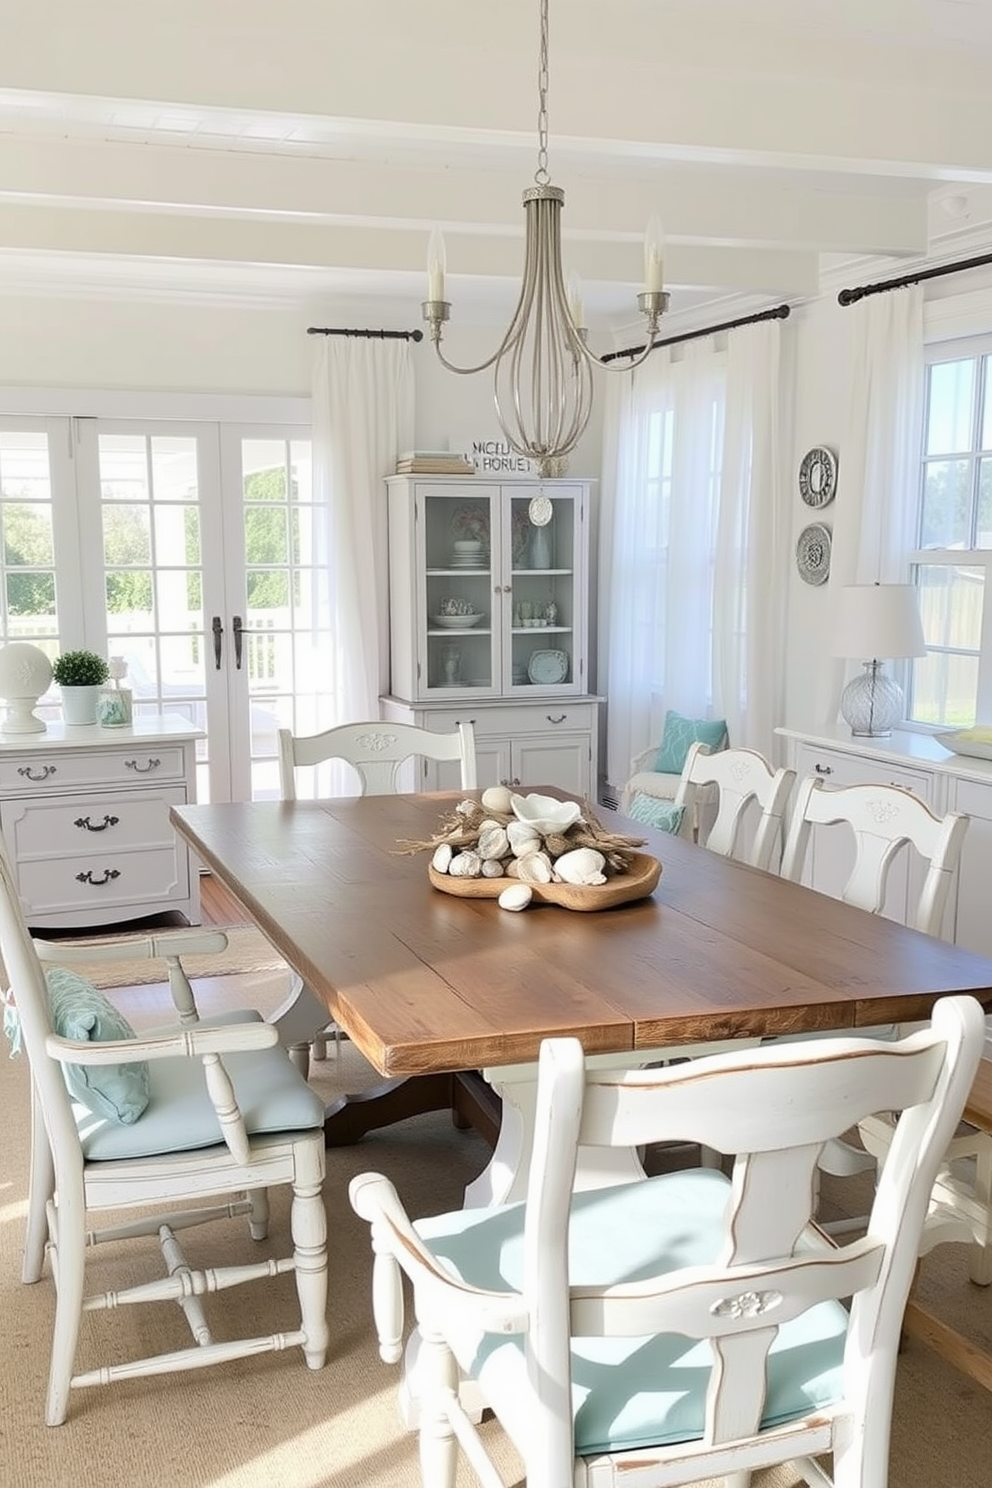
x=117 y=1092
x=272 y=1094
x=631 y=1392
x=680 y=733
x=651 y=811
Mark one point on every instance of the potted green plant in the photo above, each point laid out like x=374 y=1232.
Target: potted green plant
x=80 y=675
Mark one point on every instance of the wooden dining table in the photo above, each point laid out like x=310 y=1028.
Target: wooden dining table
x=433 y=985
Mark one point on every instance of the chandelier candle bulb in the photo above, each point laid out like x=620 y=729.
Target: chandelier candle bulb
x=435 y=266
x=575 y=305
x=654 y=262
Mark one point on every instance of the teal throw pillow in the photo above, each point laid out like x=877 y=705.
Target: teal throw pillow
x=119 y=1092
x=651 y=811
x=681 y=733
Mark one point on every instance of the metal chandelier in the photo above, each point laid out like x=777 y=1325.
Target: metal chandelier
x=543 y=383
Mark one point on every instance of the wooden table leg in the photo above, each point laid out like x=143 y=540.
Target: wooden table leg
x=466 y=1095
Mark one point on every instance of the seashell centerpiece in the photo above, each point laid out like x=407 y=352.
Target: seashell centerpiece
x=524 y=848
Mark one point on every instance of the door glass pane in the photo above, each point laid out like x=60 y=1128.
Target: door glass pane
x=27 y=548
x=289 y=653
x=154 y=579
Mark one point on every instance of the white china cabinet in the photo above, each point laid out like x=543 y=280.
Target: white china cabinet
x=489 y=620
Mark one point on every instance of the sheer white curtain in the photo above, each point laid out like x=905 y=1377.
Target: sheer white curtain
x=878 y=476
x=690 y=544
x=748 y=590
x=363 y=402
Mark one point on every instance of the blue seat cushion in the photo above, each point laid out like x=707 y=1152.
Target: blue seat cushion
x=271 y=1092
x=680 y=734
x=652 y=811
x=631 y=1392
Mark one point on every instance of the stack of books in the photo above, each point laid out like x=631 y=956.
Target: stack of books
x=433 y=462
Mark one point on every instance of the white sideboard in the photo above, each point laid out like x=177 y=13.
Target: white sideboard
x=84 y=813
x=947 y=782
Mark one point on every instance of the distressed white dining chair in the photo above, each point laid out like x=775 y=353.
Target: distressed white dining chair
x=885 y=820
x=377 y=751
x=742 y=778
x=691 y=1325
x=188 y=1124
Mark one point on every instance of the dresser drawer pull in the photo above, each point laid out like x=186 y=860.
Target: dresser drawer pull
x=109 y=874
x=151 y=764
x=824 y=769
x=552 y=719
x=29 y=773
x=87 y=826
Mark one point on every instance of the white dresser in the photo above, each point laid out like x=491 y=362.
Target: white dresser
x=947 y=782
x=84 y=814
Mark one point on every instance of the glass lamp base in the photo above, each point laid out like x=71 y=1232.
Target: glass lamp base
x=872 y=703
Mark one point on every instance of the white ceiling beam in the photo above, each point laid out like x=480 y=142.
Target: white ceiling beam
x=697 y=206
x=364 y=249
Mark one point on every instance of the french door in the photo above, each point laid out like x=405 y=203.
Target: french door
x=194 y=550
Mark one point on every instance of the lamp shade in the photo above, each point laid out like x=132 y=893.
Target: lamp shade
x=879 y=621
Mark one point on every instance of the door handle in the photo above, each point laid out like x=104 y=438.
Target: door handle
x=218 y=630
x=238 y=628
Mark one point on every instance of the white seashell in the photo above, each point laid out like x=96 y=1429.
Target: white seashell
x=441 y=861
x=522 y=838
x=534 y=867
x=583 y=865
x=465 y=808
x=546 y=813
x=496 y=798
x=493 y=841
x=493 y=868
x=512 y=868
x=517 y=896
x=466 y=865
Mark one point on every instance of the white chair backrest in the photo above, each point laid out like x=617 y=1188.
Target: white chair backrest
x=774 y=1108
x=742 y=776
x=376 y=750
x=883 y=818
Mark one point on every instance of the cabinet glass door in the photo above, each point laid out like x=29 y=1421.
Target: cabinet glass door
x=546 y=622
x=463 y=597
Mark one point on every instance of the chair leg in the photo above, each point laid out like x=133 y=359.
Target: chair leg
x=308 y=1221
x=300 y=1056
x=438 y=1445
x=69 y=1266
x=41 y=1188
x=980 y=1252
x=258 y=1215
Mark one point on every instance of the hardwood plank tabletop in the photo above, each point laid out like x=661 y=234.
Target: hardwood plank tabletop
x=426 y=981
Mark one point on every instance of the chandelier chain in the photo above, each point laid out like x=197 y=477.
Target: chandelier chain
x=541 y=176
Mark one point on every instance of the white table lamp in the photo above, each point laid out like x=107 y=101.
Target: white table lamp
x=25 y=674
x=880 y=621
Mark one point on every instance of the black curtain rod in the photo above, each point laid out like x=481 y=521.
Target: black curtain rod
x=374 y=335
x=852 y=296
x=780 y=312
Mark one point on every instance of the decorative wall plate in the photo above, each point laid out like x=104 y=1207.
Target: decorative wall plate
x=548 y=667
x=818 y=477
x=540 y=510
x=813 y=553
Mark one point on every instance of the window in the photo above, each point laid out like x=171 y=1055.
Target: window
x=952 y=686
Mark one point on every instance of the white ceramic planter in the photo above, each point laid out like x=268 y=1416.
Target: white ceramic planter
x=79 y=705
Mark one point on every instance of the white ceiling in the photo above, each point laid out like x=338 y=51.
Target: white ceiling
x=299 y=154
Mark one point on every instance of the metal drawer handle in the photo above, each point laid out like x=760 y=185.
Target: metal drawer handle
x=560 y=719
x=29 y=774
x=151 y=764
x=87 y=826
x=824 y=769
x=109 y=874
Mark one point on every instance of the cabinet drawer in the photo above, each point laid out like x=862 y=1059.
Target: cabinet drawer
x=973 y=798
x=43 y=826
x=836 y=768
x=101 y=884
x=59 y=770
x=551 y=717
